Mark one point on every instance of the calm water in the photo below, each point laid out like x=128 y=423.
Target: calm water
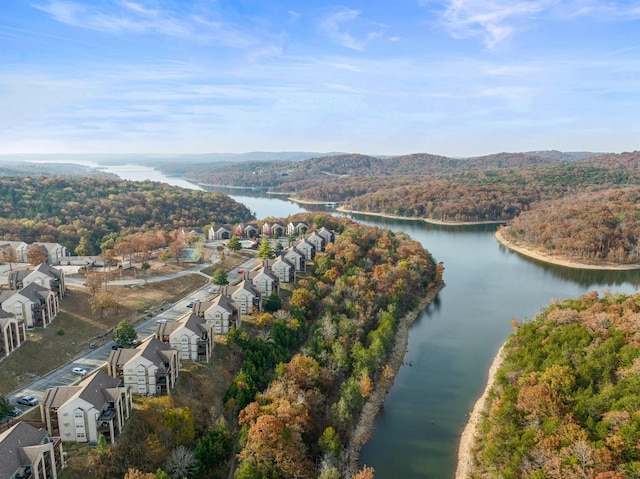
x=453 y=342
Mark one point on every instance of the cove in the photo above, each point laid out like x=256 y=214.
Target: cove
x=452 y=343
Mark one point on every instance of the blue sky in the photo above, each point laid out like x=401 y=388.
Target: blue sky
x=454 y=77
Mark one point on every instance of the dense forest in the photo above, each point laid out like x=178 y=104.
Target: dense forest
x=503 y=187
x=92 y=211
x=566 y=400
x=305 y=372
x=601 y=227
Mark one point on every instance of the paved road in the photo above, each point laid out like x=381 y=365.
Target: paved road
x=96 y=358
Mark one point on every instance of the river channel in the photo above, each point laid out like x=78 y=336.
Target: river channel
x=453 y=342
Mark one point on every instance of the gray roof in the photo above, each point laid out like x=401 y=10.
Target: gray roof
x=35 y=292
x=247 y=286
x=94 y=389
x=152 y=349
x=223 y=301
x=13 y=442
x=44 y=268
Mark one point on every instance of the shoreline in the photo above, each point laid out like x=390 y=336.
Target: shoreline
x=558 y=261
x=467 y=443
x=365 y=426
x=342 y=209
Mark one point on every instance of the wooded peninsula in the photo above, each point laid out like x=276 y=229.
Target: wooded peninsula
x=578 y=206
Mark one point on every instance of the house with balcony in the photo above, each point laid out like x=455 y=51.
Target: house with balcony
x=296 y=257
x=221 y=312
x=99 y=404
x=308 y=249
x=12 y=333
x=15 y=278
x=265 y=281
x=274 y=229
x=246 y=296
x=297 y=228
x=328 y=235
x=30 y=453
x=36 y=305
x=282 y=269
x=56 y=253
x=190 y=335
x=317 y=241
x=151 y=368
x=48 y=277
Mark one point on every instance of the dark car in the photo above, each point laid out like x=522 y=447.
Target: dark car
x=15 y=412
x=27 y=400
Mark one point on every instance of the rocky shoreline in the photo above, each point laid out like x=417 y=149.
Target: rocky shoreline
x=464 y=469
x=548 y=258
x=364 y=427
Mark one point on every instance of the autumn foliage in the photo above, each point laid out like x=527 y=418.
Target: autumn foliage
x=566 y=402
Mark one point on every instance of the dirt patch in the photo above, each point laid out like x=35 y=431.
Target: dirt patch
x=75 y=327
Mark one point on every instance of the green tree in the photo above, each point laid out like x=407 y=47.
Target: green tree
x=165 y=256
x=5 y=407
x=124 y=334
x=103 y=446
x=234 y=244
x=145 y=270
x=265 y=251
x=273 y=303
x=219 y=277
x=84 y=248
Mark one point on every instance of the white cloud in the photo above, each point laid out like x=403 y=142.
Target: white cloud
x=493 y=21
x=344 y=26
x=125 y=17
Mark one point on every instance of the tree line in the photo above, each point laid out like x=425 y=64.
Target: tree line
x=92 y=211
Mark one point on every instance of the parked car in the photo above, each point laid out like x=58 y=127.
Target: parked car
x=116 y=346
x=27 y=400
x=15 y=412
x=79 y=371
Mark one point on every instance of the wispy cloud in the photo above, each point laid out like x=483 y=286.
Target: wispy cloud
x=346 y=27
x=493 y=21
x=120 y=17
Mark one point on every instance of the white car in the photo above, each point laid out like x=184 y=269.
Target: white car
x=79 y=371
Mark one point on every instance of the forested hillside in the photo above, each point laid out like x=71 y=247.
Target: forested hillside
x=601 y=227
x=67 y=210
x=566 y=400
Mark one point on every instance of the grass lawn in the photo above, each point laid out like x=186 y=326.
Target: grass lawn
x=76 y=326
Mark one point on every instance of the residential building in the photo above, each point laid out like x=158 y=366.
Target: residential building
x=328 y=235
x=283 y=269
x=12 y=333
x=219 y=233
x=99 y=404
x=317 y=241
x=34 y=304
x=221 y=312
x=265 y=281
x=151 y=368
x=297 y=228
x=296 y=257
x=29 y=452
x=55 y=252
x=308 y=249
x=19 y=247
x=274 y=229
x=47 y=276
x=190 y=335
x=246 y=297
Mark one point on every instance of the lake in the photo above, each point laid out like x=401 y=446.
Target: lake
x=453 y=342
